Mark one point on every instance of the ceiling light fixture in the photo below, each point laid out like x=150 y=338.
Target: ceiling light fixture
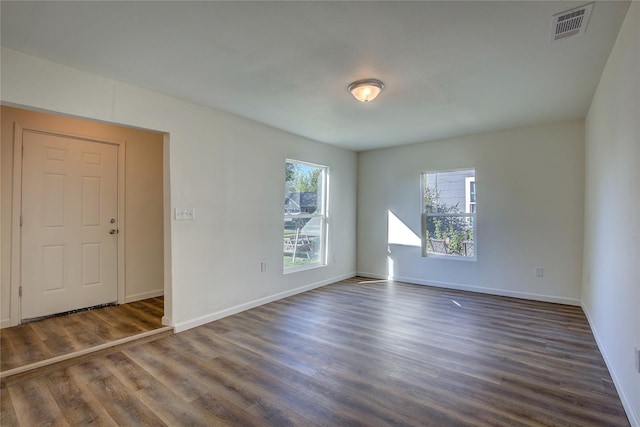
x=366 y=90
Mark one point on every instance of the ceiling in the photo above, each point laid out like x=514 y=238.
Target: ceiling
x=450 y=68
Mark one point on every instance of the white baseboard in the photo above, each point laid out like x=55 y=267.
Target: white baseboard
x=632 y=414
x=183 y=326
x=5 y=323
x=144 y=295
x=480 y=289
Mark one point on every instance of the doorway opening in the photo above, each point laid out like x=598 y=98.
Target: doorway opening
x=112 y=189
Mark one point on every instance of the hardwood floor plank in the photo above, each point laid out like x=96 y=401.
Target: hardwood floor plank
x=382 y=402
x=89 y=371
x=139 y=316
x=166 y=404
x=191 y=381
x=59 y=335
x=179 y=378
x=211 y=374
x=262 y=385
x=362 y=404
x=9 y=357
x=152 y=306
x=226 y=411
x=196 y=341
x=34 y=404
x=71 y=398
x=122 y=404
x=260 y=399
x=54 y=335
x=101 y=330
x=114 y=318
x=8 y=415
x=356 y=353
x=25 y=346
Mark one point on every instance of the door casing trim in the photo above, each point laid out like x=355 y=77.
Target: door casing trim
x=16 y=231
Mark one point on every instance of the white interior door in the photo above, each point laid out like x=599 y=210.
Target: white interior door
x=69 y=224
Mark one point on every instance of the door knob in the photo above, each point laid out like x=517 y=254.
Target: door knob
x=113 y=231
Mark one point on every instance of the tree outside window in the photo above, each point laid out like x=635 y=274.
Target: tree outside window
x=449 y=202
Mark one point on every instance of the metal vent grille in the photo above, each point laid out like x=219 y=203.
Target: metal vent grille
x=571 y=22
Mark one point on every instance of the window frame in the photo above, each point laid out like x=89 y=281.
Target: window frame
x=426 y=215
x=322 y=212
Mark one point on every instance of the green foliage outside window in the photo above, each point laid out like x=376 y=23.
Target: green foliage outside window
x=300 y=180
x=456 y=232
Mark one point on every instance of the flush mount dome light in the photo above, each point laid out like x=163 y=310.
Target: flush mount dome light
x=366 y=90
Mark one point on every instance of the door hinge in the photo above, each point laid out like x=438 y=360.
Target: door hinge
x=20 y=291
x=20 y=220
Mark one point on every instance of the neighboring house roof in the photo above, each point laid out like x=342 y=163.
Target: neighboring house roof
x=301 y=201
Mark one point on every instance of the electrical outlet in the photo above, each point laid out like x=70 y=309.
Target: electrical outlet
x=185 y=214
x=263 y=266
x=539 y=272
x=637 y=360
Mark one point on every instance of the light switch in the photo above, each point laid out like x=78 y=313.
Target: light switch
x=185 y=214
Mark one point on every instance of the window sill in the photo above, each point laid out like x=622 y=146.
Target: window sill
x=302 y=268
x=450 y=257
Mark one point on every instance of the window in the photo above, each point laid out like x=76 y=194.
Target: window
x=305 y=216
x=449 y=203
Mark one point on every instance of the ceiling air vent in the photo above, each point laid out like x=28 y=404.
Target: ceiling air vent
x=571 y=22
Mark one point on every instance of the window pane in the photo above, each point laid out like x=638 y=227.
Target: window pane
x=303 y=188
x=450 y=235
x=446 y=192
x=449 y=213
x=304 y=215
x=303 y=241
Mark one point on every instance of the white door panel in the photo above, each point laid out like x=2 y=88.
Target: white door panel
x=69 y=198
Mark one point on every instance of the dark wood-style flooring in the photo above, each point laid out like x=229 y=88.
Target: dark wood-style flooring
x=56 y=336
x=355 y=353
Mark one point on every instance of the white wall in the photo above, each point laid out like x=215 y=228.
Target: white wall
x=230 y=169
x=529 y=184
x=611 y=280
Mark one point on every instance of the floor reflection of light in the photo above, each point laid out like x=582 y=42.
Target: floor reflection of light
x=367 y=282
x=456 y=303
